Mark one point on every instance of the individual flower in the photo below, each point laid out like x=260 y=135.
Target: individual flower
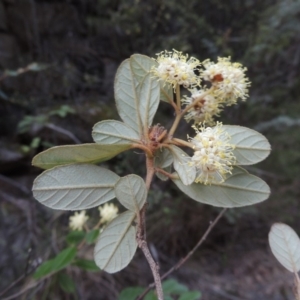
x=77 y=221
x=176 y=69
x=108 y=212
x=206 y=108
x=213 y=157
x=228 y=79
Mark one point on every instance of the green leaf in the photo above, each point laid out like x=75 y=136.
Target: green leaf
x=163 y=160
x=75 y=187
x=114 y=132
x=59 y=262
x=66 y=283
x=85 y=153
x=186 y=172
x=190 y=295
x=239 y=189
x=166 y=92
x=75 y=237
x=152 y=296
x=86 y=264
x=130 y=293
x=92 y=236
x=141 y=66
x=131 y=191
x=149 y=94
x=172 y=286
x=127 y=100
x=251 y=147
x=285 y=245
x=116 y=244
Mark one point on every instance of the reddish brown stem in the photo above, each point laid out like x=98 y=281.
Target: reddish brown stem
x=141 y=234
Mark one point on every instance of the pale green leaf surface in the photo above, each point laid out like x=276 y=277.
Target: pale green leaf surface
x=239 y=189
x=85 y=153
x=285 y=245
x=149 y=93
x=75 y=187
x=163 y=160
x=117 y=244
x=131 y=191
x=141 y=66
x=186 y=172
x=251 y=147
x=114 y=132
x=163 y=177
x=126 y=96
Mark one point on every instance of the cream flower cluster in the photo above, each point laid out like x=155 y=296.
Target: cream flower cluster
x=108 y=212
x=213 y=157
x=228 y=80
x=206 y=108
x=176 y=69
x=77 y=221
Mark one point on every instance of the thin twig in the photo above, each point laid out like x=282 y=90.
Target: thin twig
x=183 y=260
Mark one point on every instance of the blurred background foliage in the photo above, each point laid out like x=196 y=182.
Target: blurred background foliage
x=57 y=65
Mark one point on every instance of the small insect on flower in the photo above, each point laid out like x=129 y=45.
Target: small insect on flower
x=108 y=212
x=77 y=221
x=176 y=69
x=213 y=157
x=206 y=108
x=228 y=79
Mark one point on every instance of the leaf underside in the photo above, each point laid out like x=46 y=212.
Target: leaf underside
x=114 y=132
x=240 y=189
x=186 y=172
x=285 y=245
x=74 y=187
x=116 y=244
x=131 y=191
x=251 y=147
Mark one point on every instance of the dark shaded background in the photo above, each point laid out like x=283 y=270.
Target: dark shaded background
x=79 y=45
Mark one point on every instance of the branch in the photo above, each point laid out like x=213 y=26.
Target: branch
x=141 y=234
x=183 y=260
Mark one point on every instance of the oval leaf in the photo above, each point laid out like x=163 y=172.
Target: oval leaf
x=285 y=245
x=251 y=147
x=85 y=153
x=240 y=189
x=116 y=244
x=186 y=173
x=149 y=99
x=59 y=262
x=163 y=160
x=75 y=187
x=131 y=191
x=141 y=66
x=114 y=132
x=126 y=96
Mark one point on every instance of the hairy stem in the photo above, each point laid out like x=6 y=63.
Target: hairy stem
x=183 y=260
x=141 y=234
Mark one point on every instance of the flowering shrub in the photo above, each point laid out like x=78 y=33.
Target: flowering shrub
x=212 y=175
